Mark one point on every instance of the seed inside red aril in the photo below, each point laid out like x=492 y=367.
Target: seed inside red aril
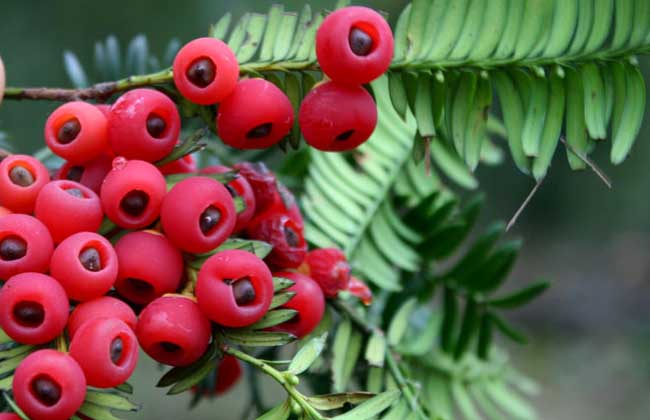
x=46 y=390
x=156 y=126
x=12 y=248
x=90 y=259
x=29 y=314
x=243 y=291
x=117 y=347
x=292 y=237
x=345 y=135
x=140 y=286
x=201 y=72
x=21 y=176
x=209 y=219
x=75 y=192
x=69 y=131
x=260 y=131
x=134 y=202
x=169 y=347
x=360 y=42
x=75 y=173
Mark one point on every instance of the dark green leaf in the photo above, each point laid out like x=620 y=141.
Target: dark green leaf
x=520 y=297
x=111 y=401
x=181 y=372
x=507 y=329
x=97 y=412
x=258 y=338
x=280 y=283
x=372 y=407
x=273 y=318
x=280 y=299
x=485 y=337
x=468 y=328
x=450 y=314
x=496 y=268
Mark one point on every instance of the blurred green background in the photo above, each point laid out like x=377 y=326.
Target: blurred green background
x=590 y=334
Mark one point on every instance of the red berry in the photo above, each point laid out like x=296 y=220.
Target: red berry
x=149 y=266
x=308 y=301
x=21 y=179
x=328 y=126
x=261 y=180
x=4 y=211
x=172 y=330
x=330 y=269
x=239 y=187
x=103 y=307
x=25 y=245
x=104 y=108
x=256 y=115
x=286 y=236
x=9 y=416
x=228 y=373
x=107 y=351
x=198 y=214
x=33 y=308
x=86 y=266
x=361 y=290
x=77 y=132
x=49 y=385
x=234 y=288
x=205 y=71
x=184 y=165
x=132 y=193
x=91 y=174
x=144 y=124
x=67 y=207
x=354 y=45
x=285 y=202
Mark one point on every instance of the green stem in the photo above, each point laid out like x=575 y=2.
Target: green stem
x=61 y=344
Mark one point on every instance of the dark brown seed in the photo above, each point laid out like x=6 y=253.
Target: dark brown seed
x=134 y=202
x=201 y=72
x=12 y=248
x=75 y=173
x=243 y=291
x=90 y=259
x=169 y=347
x=46 y=390
x=360 y=42
x=156 y=126
x=75 y=192
x=140 y=287
x=69 y=131
x=209 y=219
x=345 y=135
x=233 y=192
x=291 y=236
x=260 y=131
x=117 y=346
x=29 y=314
x=21 y=176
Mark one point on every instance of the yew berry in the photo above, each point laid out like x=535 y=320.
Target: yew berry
x=256 y=115
x=132 y=193
x=91 y=174
x=328 y=126
x=261 y=180
x=226 y=376
x=238 y=187
x=107 y=351
x=205 y=71
x=9 y=416
x=67 y=207
x=285 y=202
x=173 y=331
x=25 y=245
x=103 y=307
x=4 y=211
x=33 y=308
x=21 y=179
x=77 y=132
x=354 y=45
x=149 y=266
x=360 y=290
x=144 y=124
x=86 y=266
x=49 y=385
x=184 y=165
x=234 y=288
x=104 y=108
x=284 y=234
x=198 y=214
x=308 y=301
x=330 y=269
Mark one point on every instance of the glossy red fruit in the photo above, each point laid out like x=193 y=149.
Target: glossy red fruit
x=256 y=115
x=9 y=416
x=354 y=45
x=239 y=187
x=284 y=234
x=173 y=331
x=144 y=124
x=77 y=132
x=33 y=308
x=198 y=214
x=103 y=307
x=25 y=245
x=86 y=266
x=67 y=207
x=104 y=108
x=107 y=351
x=4 y=211
x=234 y=288
x=308 y=301
x=149 y=266
x=206 y=71
x=91 y=174
x=21 y=179
x=285 y=202
x=328 y=126
x=261 y=180
x=330 y=269
x=184 y=165
x=132 y=193
x=49 y=385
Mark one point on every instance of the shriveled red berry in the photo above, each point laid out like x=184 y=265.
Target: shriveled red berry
x=91 y=174
x=330 y=269
x=284 y=234
x=256 y=115
x=285 y=202
x=205 y=71
x=25 y=245
x=33 y=308
x=308 y=301
x=86 y=266
x=103 y=307
x=149 y=266
x=198 y=214
x=132 y=193
x=239 y=187
x=360 y=290
x=144 y=124
x=173 y=331
x=184 y=165
x=328 y=126
x=21 y=179
x=234 y=288
x=107 y=351
x=354 y=45
x=67 y=207
x=261 y=180
x=49 y=385
x=77 y=132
